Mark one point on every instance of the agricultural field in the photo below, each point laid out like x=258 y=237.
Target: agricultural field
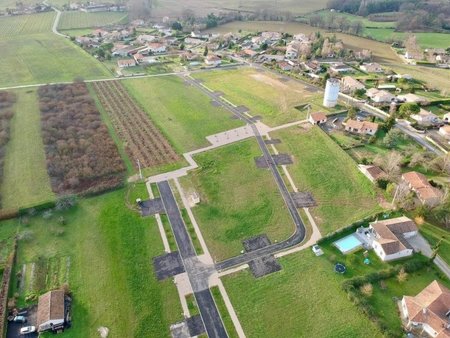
x=33 y=54
x=263 y=93
x=81 y=155
x=77 y=19
x=434 y=77
x=343 y=194
x=142 y=139
x=304 y=299
x=25 y=180
x=237 y=200
x=104 y=251
x=183 y=113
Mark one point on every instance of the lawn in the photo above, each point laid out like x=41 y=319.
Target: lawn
x=33 y=54
x=343 y=194
x=263 y=93
x=77 y=19
x=237 y=200
x=435 y=77
x=184 y=114
x=111 y=275
x=437 y=237
x=304 y=299
x=25 y=180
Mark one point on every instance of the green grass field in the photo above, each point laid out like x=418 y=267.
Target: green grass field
x=25 y=180
x=30 y=58
x=77 y=19
x=237 y=200
x=304 y=299
x=184 y=114
x=320 y=166
x=263 y=93
x=437 y=237
x=111 y=274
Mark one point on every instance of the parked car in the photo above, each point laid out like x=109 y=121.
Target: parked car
x=317 y=250
x=20 y=319
x=27 y=329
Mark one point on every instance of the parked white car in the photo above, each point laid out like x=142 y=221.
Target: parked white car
x=317 y=250
x=27 y=329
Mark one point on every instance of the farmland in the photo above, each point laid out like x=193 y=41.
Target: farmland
x=81 y=156
x=263 y=93
x=306 y=293
x=77 y=19
x=109 y=249
x=31 y=53
x=184 y=114
x=143 y=140
x=25 y=176
x=238 y=200
x=342 y=193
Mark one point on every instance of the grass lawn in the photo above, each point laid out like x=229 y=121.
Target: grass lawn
x=25 y=180
x=263 y=93
x=237 y=200
x=184 y=114
x=33 y=54
x=343 y=194
x=111 y=275
x=304 y=299
x=77 y=19
x=437 y=236
x=435 y=77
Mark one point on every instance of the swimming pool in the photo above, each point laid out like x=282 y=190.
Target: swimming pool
x=348 y=244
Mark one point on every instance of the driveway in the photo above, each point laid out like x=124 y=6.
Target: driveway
x=421 y=245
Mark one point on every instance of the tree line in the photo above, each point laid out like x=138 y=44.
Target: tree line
x=7 y=101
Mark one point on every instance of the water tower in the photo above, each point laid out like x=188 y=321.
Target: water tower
x=331 y=93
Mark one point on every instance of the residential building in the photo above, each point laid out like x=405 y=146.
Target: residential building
x=340 y=67
x=317 y=118
x=291 y=52
x=425 y=192
x=372 y=67
x=193 y=42
x=138 y=57
x=249 y=52
x=312 y=66
x=413 y=98
x=126 y=63
x=425 y=118
x=349 y=84
x=446 y=118
x=372 y=172
x=379 y=96
x=301 y=37
x=285 y=66
x=156 y=47
x=361 y=127
x=271 y=36
x=390 y=237
x=51 y=311
x=445 y=131
x=213 y=60
x=428 y=311
x=143 y=38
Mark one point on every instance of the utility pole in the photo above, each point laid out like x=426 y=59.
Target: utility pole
x=140 y=171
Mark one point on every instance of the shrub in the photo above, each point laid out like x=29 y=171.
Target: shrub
x=366 y=290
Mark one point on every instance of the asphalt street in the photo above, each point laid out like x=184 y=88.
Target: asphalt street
x=195 y=270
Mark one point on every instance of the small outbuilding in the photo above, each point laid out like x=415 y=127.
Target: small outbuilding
x=51 y=311
x=317 y=118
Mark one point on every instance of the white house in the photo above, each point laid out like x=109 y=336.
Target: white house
x=390 y=237
x=371 y=67
x=291 y=51
x=428 y=311
x=212 y=60
x=317 y=118
x=413 y=98
x=425 y=117
x=340 y=67
x=156 y=47
x=126 y=63
x=446 y=118
x=445 y=131
x=379 y=96
x=51 y=312
x=361 y=127
x=349 y=84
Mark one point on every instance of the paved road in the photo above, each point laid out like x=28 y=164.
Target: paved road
x=197 y=272
x=299 y=235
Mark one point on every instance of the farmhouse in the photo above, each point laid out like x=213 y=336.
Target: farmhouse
x=317 y=118
x=361 y=127
x=340 y=67
x=213 y=60
x=379 y=96
x=425 y=118
x=371 y=68
x=390 y=237
x=372 y=172
x=126 y=63
x=425 y=192
x=428 y=310
x=51 y=312
x=445 y=131
x=349 y=84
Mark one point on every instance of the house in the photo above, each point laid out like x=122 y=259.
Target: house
x=413 y=98
x=363 y=55
x=156 y=47
x=372 y=67
x=271 y=36
x=213 y=60
x=189 y=56
x=445 y=131
x=143 y=38
x=372 y=172
x=425 y=192
x=193 y=42
x=390 y=237
x=126 y=63
x=340 y=67
x=120 y=49
x=446 y=118
x=428 y=311
x=379 y=96
x=291 y=51
x=51 y=311
x=138 y=57
x=312 y=66
x=301 y=37
x=317 y=118
x=249 y=52
x=285 y=66
x=361 y=127
x=425 y=118
x=350 y=85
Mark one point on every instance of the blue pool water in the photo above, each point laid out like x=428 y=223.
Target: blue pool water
x=348 y=244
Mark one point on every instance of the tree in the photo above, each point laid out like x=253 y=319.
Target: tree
x=366 y=289
x=352 y=111
x=407 y=109
x=402 y=275
x=392 y=138
x=211 y=21
x=389 y=123
x=205 y=52
x=177 y=26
